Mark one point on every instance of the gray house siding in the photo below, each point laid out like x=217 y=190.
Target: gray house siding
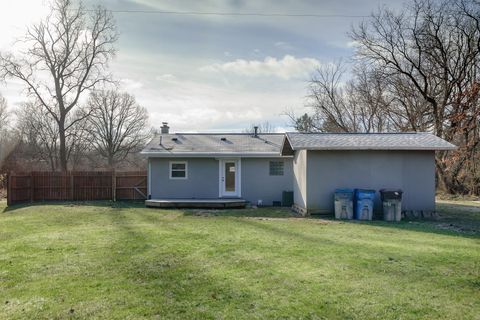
x=203 y=179
x=258 y=184
x=300 y=178
x=411 y=171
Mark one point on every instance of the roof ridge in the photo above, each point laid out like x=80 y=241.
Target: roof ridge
x=223 y=133
x=359 y=133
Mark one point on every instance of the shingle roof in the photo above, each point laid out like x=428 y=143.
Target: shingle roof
x=203 y=144
x=367 y=141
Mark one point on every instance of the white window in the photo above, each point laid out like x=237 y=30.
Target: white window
x=178 y=170
x=276 y=168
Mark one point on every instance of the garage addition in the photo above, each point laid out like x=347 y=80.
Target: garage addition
x=324 y=162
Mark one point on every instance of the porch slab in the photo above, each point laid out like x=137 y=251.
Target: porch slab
x=196 y=203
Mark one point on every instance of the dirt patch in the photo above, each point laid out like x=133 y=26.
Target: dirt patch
x=455 y=197
x=250 y=212
x=472 y=206
x=205 y=213
x=456 y=228
x=310 y=220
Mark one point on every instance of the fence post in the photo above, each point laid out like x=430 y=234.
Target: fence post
x=71 y=186
x=9 y=192
x=32 y=188
x=114 y=185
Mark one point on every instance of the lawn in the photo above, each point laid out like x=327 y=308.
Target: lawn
x=101 y=261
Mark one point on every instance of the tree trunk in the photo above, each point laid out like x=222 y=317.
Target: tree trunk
x=63 y=143
x=444 y=182
x=111 y=163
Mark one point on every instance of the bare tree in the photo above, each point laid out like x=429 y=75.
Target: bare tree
x=40 y=133
x=118 y=126
x=264 y=127
x=66 y=55
x=341 y=105
x=7 y=139
x=430 y=55
x=4 y=114
x=415 y=70
x=304 y=123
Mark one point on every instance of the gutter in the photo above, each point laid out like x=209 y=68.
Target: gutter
x=377 y=149
x=153 y=154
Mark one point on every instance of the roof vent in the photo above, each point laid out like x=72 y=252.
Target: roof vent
x=255 y=131
x=174 y=139
x=223 y=139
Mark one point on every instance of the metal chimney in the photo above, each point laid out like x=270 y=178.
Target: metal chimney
x=255 y=131
x=164 y=128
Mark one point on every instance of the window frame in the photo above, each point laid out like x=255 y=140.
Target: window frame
x=170 y=170
x=270 y=168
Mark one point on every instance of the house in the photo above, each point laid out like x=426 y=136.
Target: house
x=236 y=168
x=210 y=166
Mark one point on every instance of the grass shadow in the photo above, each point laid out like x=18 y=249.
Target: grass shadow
x=96 y=203
x=267 y=212
x=164 y=277
x=454 y=219
x=282 y=232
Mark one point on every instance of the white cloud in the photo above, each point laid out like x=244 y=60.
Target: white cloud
x=16 y=16
x=283 y=45
x=352 y=44
x=130 y=84
x=286 y=68
x=166 y=77
x=193 y=105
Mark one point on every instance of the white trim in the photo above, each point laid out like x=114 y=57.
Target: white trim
x=360 y=148
x=238 y=178
x=149 y=177
x=219 y=177
x=154 y=154
x=170 y=170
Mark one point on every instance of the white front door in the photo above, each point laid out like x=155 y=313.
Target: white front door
x=230 y=178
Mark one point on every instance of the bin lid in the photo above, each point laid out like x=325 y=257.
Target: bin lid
x=361 y=194
x=399 y=191
x=364 y=191
x=391 y=194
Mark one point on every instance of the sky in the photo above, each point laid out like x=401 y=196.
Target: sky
x=207 y=73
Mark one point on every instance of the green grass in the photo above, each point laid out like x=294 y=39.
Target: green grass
x=93 y=260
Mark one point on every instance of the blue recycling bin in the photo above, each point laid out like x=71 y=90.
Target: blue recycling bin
x=364 y=204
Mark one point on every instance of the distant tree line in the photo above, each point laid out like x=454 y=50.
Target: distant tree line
x=414 y=70
x=74 y=115
x=264 y=127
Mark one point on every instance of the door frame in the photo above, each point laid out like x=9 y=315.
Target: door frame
x=238 y=178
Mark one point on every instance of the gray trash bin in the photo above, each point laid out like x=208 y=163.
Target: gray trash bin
x=343 y=204
x=392 y=204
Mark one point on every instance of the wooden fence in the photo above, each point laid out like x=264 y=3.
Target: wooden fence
x=76 y=186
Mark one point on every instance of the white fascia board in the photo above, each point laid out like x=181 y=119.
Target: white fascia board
x=378 y=148
x=213 y=155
